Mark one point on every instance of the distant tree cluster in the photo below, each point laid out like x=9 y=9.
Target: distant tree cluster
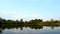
x=37 y=23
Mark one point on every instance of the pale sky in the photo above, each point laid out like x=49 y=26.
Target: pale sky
x=30 y=9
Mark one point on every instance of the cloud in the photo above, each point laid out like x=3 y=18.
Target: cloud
x=7 y=12
x=27 y=17
x=18 y=15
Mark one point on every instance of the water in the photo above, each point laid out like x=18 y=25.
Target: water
x=28 y=30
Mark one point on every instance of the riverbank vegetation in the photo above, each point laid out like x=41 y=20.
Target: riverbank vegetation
x=36 y=23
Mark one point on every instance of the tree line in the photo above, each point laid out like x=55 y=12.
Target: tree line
x=36 y=23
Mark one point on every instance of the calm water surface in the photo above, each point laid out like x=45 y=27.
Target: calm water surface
x=27 y=30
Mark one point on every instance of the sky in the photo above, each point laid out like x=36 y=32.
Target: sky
x=30 y=9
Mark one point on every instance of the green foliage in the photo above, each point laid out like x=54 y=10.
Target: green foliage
x=37 y=23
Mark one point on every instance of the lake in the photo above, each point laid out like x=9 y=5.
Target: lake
x=28 y=30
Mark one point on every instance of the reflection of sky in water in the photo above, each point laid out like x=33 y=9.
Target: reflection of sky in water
x=45 y=30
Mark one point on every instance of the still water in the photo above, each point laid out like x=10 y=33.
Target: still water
x=27 y=30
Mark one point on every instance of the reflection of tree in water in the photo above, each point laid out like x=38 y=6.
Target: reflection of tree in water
x=21 y=27
x=0 y=31
x=36 y=27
